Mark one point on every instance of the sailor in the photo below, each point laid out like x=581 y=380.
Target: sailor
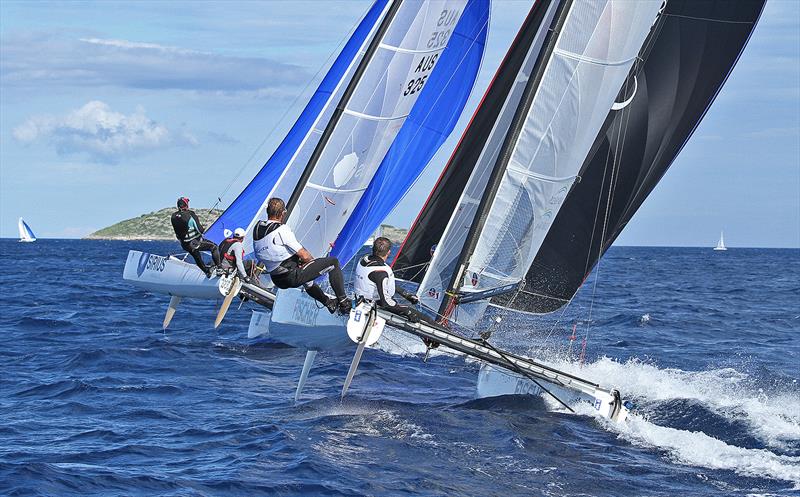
x=232 y=252
x=189 y=231
x=290 y=265
x=374 y=282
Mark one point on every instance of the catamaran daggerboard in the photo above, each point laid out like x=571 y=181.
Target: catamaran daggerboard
x=590 y=106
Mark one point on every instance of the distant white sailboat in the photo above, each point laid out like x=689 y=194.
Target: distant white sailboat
x=25 y=232
x=721 y=242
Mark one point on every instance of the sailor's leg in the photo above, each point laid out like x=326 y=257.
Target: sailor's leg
x=316 y=293
x=196 y=255
x=329 y=265
x=414 y=316
x=211 y=247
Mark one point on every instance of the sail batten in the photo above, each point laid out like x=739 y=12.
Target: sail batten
x=371 y=117
x=407 y=50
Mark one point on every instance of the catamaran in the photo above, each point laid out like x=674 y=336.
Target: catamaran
x=25 y=232
x=589 y=108
x=721 y=242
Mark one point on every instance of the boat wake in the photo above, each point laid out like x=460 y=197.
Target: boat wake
x=717 y=419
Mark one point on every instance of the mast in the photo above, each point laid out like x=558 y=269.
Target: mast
x=503 y=157
x=340 y=108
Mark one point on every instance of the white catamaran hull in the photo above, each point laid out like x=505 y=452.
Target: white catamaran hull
x=298 y=320
x=169 y=275
x=493 y=382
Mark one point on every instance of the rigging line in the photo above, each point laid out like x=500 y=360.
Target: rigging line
x=292 y=105
x=519 y=370
x=619 y=148
x=645 y=52
x=657 y=28
x=707 y=19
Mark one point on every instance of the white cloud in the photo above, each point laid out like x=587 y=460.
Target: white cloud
x=105 y=135
x=36 y=59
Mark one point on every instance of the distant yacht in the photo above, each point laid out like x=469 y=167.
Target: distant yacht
x=25 y=232
x=721 y=242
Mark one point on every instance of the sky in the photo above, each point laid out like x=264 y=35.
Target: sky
x=113 y=109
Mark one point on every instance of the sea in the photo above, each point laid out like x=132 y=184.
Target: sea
x=96 y=399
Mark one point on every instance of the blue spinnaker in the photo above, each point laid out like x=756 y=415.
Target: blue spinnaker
x=432 y=119
x=246 y=206
x=28 y=229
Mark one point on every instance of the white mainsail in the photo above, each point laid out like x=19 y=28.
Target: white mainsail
x=25 y=232
x=446 y=252
x=595 y=49
x=371 y=118
x=285 y=185
x=721 y=242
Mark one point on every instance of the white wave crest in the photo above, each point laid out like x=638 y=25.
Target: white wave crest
x=698 y=449
x=774 y=418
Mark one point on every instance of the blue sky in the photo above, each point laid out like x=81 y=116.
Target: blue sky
x=112 y=109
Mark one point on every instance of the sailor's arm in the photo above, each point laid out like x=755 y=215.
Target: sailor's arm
x=197 y=221
x=238 y=254
x=304 y=255
x=290 y=242
x=411 y=297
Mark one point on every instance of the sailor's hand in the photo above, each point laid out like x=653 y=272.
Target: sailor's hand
x=412 y=298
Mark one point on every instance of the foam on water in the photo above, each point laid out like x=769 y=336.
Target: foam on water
x=698 y=449
x=773 y=417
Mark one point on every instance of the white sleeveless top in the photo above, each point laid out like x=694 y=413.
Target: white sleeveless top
x=276 y=247
x=366 y=288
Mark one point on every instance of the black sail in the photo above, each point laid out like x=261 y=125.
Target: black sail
x=684 y=63
x=417 y=249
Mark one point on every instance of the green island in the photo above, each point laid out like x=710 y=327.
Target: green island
x=156 y=226
x=152 y=226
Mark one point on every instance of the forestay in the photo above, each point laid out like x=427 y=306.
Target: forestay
x=593 y=52
x=371 y=118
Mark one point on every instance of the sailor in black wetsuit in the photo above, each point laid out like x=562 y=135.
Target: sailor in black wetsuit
x=375 y=282
x=189 y=231
x=290 y=265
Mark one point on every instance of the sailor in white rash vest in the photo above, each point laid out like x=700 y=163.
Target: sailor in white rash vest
x=290 y=265
x=374 y=281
